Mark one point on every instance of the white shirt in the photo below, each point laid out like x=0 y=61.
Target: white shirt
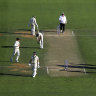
x=33 y=21
x=35 y=60
x=16 y=45
x=63 y=19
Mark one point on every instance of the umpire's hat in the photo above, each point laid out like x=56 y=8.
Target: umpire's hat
x=63 y=13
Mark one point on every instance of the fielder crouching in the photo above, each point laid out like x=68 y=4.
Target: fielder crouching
x=40 y=39
x=34 y=61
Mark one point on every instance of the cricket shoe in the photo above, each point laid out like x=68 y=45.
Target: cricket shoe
x=17 y=61
x=33 y=76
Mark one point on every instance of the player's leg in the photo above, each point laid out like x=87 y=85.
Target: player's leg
x=63 y=26
x=14 y=52
x=41 y=44
x=33 y=30
x=18 y=55
x=34 y=72
x=60 y=27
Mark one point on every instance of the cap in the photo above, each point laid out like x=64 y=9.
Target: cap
x=34 y=16
x=34 y=52
x=17 y=38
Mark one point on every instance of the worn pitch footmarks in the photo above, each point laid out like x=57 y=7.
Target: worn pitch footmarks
x=20 y=68
x=0 y=34
x=26 y=34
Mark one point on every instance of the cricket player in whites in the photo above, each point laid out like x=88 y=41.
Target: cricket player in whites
x=40 y=39
x=63 y=22
x=16 y=50
x=33 y=23
x=34 y=62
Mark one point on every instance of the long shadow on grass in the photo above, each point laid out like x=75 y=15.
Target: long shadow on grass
x=20 y=47
x=91 y=68
x=23 y=29
x=21 y=75
x=5 y=61
x=21 y=33
x=78 y=66
x=13 y=33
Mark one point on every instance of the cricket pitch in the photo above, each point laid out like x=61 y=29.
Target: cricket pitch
x=63 y=47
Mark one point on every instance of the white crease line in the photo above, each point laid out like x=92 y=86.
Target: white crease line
x=73 y=34
x=47 y=71
x=59 y=35
x=85 y=71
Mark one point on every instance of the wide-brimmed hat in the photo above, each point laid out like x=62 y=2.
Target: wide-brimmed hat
x=63 y=13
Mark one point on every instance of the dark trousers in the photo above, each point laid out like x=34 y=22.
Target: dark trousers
x=62 y=27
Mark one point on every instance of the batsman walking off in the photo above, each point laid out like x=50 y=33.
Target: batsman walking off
x=35 y=64
x=33 y=23
x=16 y=50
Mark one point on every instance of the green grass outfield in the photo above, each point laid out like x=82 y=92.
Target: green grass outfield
x=15 y=15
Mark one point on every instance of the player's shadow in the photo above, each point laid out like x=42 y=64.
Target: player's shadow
x=31 y=47
x=91 y=68
x=4 y=61
x=20 y=47
x=7 y=46
x=18 y=32
x=23 y=29
x=48 y=31
x=87 y=66
x=7 y=33
x=21 y=75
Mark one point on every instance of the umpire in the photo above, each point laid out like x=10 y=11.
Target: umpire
x=63 y=21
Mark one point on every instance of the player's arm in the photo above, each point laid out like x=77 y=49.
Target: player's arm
x=60 y=18
x=36 y=23
x=19 y=44
x=16 y=44
x=38 y=63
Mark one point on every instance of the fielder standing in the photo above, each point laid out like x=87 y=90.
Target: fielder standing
x=40 y=39
x=35 y=64
x=33 y=23
x=63 y=21
x=16 y=50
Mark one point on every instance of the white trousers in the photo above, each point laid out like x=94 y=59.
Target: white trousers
x=32 y=29
x=41 y=43
x=16 y=51
x=34 y=69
